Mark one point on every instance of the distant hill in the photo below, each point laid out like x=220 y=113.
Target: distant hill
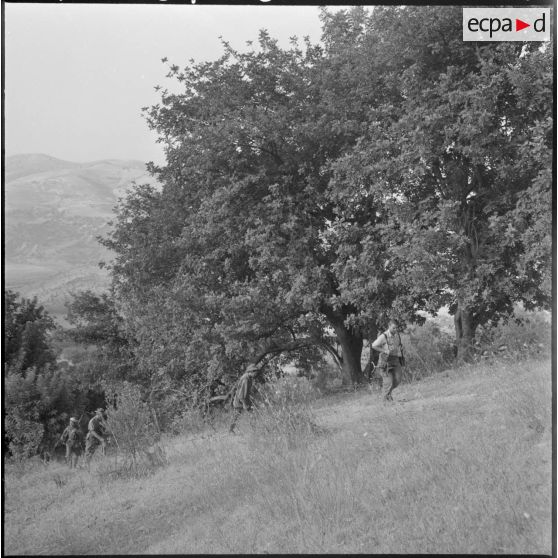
x=54 y=210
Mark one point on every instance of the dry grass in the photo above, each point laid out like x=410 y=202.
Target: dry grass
x=464 y=466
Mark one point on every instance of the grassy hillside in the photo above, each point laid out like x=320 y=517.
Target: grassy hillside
x=463 y=465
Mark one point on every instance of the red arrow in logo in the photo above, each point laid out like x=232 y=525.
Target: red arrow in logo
x=519 y=25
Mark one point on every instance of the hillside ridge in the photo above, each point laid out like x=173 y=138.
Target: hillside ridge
x=54 y=212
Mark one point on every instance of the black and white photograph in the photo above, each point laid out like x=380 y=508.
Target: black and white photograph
x=278 y=279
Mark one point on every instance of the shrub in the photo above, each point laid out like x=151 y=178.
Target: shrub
x=131 y=424
x=428 y=349
x=526 y=335
x=25 y=436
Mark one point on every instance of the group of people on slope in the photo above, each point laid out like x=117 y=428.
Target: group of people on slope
x=73 y=438
x=390 y=363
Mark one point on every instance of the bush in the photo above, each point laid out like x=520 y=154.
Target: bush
x=131 y=424
x=25 y=436
x=428 y=349
x=526 y=335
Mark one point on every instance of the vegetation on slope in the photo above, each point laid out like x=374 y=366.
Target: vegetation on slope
x=464 y=465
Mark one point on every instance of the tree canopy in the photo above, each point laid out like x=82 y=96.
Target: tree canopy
x=311 y=192
x=464 y=148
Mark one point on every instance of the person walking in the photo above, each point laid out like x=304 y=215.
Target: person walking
x=389 y=345
x=96 y=431
x=242 y=400
x=72 y=437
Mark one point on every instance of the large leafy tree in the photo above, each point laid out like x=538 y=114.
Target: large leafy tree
x=310 y=192
x=251 y=247
x=527 y=228
x=462 y=149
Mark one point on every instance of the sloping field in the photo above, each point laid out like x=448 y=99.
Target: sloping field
x=463 y=465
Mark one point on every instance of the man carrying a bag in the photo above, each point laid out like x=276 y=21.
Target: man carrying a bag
x=391 y=359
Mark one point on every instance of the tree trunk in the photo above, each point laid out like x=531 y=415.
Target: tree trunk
x=351 y=347
x=464 y=333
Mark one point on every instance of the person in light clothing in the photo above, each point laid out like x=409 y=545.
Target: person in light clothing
x=96 y=432
x=389 y=345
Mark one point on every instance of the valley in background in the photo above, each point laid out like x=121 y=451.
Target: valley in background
x=54 y=212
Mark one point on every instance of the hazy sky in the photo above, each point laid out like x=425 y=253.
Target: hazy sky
x=77 y=75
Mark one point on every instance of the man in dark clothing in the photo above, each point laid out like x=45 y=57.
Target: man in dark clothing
x=242 y=400
x=72 y=437
x=391 y=358
x=96 y=431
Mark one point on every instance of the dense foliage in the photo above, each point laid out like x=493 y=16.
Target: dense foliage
x=468 y=143
x=309 y=194
x=40 y=394
x=26 y=327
